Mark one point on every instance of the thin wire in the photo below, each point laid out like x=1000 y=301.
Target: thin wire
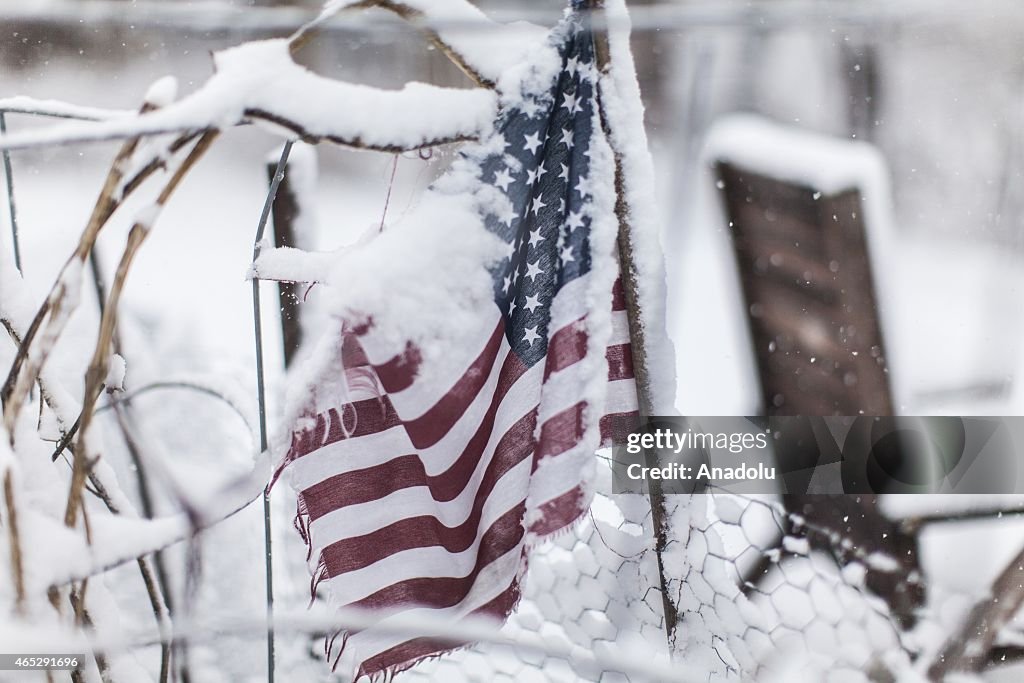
x=387 y=199
x=261 y=397
x=9 y=175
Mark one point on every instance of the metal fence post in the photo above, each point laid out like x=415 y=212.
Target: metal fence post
x=261 y=398
x=9 y=175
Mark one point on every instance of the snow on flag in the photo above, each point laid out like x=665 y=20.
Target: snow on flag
x=421 y=488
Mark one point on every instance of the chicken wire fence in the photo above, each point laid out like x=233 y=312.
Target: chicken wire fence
x=597 y=587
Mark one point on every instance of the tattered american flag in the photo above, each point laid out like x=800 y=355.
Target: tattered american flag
x=423 y=496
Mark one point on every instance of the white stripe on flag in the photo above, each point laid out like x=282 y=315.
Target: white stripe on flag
x=621 y=397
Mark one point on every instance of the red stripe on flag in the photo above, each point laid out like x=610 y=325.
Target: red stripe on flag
x=618 y=296
x=440 y=592
x=424 y=531
x=620 y=362
x=559 y=512
x=615 y=427
x=560 y=433
x=412 y=651
x=567 y=346
x=354 y=420
x=429 y=428
x=352 y=353
x=398 y=373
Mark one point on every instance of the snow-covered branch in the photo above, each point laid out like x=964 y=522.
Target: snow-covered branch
x=259 y=82
x=22 y=104
x=121 y=539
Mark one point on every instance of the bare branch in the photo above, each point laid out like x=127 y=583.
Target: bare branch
x=260 y=81
x=969 y=649
x=355 y=142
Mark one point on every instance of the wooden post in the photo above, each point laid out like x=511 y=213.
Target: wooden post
x=641 y=369
x=284 y=212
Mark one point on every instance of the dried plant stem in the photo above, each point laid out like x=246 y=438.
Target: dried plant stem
x=115 y=189
x=163 y=618
x=82 y=617
x=157 y=583
x=16 y=386
x=14 y=539
x=99 y=365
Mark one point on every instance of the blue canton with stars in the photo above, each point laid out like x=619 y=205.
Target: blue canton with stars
x=545 y=173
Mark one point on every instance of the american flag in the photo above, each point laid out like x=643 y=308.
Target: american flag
x=423 y=496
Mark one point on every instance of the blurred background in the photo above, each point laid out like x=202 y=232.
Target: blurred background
x=937 y=87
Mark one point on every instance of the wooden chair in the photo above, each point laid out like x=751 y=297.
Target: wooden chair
x=797 y=213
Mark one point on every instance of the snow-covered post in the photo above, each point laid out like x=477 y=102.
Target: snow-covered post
x=628 y=263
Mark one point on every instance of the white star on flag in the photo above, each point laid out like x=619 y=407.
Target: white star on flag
x=532 y=142
x=575 y=220
x=537 y=205
x=503 y=179
x=583 y=187
x=566 y=138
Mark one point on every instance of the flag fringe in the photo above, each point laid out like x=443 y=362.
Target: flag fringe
x=333 y=649
x=388 y=674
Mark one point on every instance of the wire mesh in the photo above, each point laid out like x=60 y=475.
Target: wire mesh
x=758 y=604
x=593 y=588
x=803 y=618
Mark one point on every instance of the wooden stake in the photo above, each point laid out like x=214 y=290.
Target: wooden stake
x=641 y=369
x=284 y=212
